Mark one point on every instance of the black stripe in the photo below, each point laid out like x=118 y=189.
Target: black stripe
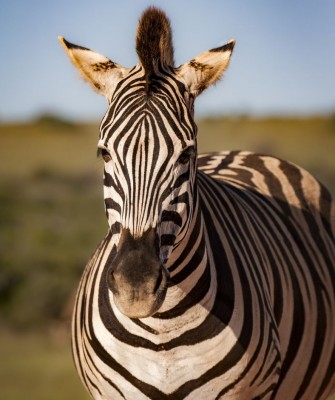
x=167 y=240
x=172 y=216
x=111 y=204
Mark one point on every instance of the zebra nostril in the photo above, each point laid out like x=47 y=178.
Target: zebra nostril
x=158 y=281
x=112 y=282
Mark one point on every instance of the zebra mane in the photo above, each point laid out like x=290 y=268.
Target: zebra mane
x=154 y=41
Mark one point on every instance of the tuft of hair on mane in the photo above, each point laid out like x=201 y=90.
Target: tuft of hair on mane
x=154 y=41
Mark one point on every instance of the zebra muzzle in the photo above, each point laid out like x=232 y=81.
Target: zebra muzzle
x=137 y=277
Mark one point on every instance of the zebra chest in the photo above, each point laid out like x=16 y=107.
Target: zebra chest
x=230 y=352
x=178 y=370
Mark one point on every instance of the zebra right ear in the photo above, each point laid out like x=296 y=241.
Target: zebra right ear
x=206 y=69
x=96 y=69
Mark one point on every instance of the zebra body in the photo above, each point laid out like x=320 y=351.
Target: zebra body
x=216 y=278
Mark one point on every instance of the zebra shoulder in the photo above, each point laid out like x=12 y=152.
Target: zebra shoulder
x=281 y=181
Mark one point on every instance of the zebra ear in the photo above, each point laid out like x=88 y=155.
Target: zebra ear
x=96 y=69
x=206 y=69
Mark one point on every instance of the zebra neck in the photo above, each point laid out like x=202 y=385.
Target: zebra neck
x=189 y=243
x=192 y=283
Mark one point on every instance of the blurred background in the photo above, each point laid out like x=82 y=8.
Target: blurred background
x=278 y=97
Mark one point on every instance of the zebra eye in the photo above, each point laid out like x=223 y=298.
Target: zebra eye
x=104 y=154
x=186 y=155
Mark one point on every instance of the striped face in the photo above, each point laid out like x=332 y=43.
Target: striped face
x=148 y=144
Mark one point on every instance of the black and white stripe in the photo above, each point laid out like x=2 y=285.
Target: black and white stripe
x=250 y=309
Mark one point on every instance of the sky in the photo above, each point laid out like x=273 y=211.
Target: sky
x=283 y=61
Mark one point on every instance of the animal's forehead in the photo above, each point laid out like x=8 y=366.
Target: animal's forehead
x=162 y=82
x=145 y=111
x=147 y=130
x=141 y=111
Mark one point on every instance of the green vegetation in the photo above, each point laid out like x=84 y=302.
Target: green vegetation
x=52 y=218
x=38 y=368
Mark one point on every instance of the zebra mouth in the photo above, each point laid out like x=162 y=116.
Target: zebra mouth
x=140 y=306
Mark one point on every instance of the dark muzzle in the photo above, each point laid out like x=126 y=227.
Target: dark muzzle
x=137 y=278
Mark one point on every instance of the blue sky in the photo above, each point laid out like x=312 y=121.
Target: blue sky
x=283 y=63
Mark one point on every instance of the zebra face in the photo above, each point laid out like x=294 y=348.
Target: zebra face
x=148 y=143
x=149 y=150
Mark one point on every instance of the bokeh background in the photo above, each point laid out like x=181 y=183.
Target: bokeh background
x=278 y=97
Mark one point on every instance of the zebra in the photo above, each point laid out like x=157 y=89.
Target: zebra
x=216 y=277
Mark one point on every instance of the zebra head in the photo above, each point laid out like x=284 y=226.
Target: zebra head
x=148 y=143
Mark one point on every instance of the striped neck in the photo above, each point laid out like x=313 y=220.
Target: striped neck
x=192 y=286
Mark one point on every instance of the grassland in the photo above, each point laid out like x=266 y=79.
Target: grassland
x=36 y=367
x=52 y=217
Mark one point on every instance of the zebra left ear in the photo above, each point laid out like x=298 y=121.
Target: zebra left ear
x=206 y=69
x=96 y=69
